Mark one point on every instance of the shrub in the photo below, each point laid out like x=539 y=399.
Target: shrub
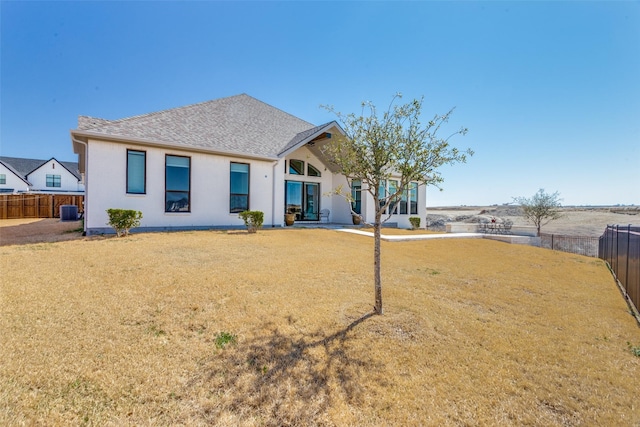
x=123 y=220
x=252 y=219
x=415 y=222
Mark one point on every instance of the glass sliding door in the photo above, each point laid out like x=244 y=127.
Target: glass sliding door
x=293 y=198
x=303 y=199
x=311 y=201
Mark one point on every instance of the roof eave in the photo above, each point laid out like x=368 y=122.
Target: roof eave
x=310 y=138
x=86 y=135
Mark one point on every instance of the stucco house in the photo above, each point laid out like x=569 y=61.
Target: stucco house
x=20 y=175
x=200 y=165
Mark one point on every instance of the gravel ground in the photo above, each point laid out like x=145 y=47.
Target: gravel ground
x=38 y=230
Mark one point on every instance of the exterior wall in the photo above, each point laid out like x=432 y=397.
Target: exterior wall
x=401 y=221
x=12 y=181
x=210 y=186
x=338 y=207
x=341 y=206
x=68 y=181
x=106 y=175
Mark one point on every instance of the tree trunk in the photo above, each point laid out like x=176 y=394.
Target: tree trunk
x=376 y=265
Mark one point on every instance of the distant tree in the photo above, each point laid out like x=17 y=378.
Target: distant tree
x=541 y=208
x=394 y=144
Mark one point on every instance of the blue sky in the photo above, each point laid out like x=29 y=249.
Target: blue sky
x=550 y=91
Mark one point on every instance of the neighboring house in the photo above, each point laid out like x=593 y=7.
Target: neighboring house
x=18 y=175
x=200 y=165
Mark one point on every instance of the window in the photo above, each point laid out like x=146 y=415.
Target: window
x=356 y=196
x=53 y=180
x=382 y=193
x=136 y=172
x=3 y=178
x=296 y=167
x=312 y=171
x=177 y=184
x=393 y=187
x=413 y=197
x=403 y=202
x=239 y=188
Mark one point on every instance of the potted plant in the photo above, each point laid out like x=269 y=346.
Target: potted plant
x=356 y=219
x=289 y=219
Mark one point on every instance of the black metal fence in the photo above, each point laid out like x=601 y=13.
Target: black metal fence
x=580 y=245
x=620 y=247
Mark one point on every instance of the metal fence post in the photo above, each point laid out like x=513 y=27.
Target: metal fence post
x=626 y=273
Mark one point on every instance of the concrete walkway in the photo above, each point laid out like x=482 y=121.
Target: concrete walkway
x=404 y=237
x=522 y=240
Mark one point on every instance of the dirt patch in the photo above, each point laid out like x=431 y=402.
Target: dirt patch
x=38 y=230
x=575 y=221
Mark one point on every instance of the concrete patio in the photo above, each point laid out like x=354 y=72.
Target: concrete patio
x=507 y=238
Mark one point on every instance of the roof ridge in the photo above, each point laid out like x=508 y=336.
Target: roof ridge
x=279 y=109
x=184 y=107
x=197 y=104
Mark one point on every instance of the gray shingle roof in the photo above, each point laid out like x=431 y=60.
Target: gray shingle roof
x=23 y=167
x=238 y=124
x=73 y=168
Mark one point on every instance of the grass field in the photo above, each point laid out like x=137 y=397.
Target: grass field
x=217 y=328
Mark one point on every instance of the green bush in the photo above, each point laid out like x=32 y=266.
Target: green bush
x=415 y=222
x=123 y=220
x=252 y=219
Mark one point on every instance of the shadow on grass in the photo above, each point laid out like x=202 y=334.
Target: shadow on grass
x=283 y=380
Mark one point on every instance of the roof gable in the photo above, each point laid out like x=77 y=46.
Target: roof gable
x=71 y=167
x=239 y=124
x=24 y=167
x=308 y=135
x=13 y=170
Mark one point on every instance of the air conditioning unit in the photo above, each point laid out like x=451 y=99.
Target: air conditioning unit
x=68 y=213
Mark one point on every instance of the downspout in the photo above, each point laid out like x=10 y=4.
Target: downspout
x=273 y=194
x=86 y=182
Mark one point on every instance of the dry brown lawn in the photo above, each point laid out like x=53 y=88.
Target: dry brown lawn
x=108 y=331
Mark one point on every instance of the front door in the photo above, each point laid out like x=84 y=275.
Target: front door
x=303 y=199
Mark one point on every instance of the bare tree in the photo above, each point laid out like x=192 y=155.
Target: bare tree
x=377 y=147
x=541 y=208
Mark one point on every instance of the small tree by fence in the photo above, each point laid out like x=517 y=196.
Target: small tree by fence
x=14 y=206
x=619 y=246
x=581 y=245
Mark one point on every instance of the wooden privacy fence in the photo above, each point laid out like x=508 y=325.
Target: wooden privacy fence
x=36 y=205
